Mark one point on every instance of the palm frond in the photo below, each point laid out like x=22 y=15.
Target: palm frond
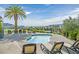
x=12 y=10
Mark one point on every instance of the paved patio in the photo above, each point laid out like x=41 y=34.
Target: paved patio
x=15 y=47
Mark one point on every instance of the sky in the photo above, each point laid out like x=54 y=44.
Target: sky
x=43 y=14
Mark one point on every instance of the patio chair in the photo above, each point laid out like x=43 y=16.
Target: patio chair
x=29 y=49
x=74 y=47
x=55 y=49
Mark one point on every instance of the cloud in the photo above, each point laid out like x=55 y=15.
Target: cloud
x=2 y=9
x=59 y=19
x=47 y=4
x=27 y=13
x=49 y=21
x=75 y=10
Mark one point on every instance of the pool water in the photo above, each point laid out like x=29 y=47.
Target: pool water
x=39 y=39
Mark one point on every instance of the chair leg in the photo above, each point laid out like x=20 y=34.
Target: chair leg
x=61 y=52
x=67 y=50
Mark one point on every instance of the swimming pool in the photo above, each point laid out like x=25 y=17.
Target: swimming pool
x=39 y=38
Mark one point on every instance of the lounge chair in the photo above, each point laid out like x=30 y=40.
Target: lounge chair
x=74 y=47
x=29 y=49
x=55 y=49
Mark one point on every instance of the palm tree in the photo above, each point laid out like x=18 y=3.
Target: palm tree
x=15 y=12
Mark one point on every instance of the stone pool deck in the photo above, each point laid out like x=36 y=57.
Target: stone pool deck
x=15 y=47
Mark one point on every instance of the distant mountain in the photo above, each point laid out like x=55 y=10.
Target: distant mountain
x=21 y=27
x=11 y=26
x=57 y=25
x=7 y=25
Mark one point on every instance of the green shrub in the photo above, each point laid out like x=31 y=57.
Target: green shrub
x=9 y=31
x=1 y=30
x=77 y=37
x=24 y=30
x=72 y=35
x=0 y=27
x=20 y=31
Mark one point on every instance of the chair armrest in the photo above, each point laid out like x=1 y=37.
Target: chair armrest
x=75 y=49
x=70 y=50
x=44 y=49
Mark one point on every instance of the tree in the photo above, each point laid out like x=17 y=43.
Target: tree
x=71 y=27
x=15 y=12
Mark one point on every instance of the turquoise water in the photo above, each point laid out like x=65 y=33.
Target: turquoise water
x=39 y=39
